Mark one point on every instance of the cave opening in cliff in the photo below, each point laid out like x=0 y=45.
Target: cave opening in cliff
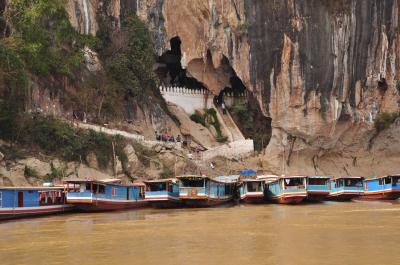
x=170 y=70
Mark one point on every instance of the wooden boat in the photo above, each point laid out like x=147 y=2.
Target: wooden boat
x=286 y=189
x=109 y=195
x=251 y=190
x=382 y=188
x=162 y=193
x=201 y=191
x=318 y=188
x=18 y=202
x=345 y=188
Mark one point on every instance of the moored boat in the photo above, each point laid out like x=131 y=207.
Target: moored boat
x=162 y=193
x=345 y=188
x=201 y=191
x=286 y=189
x=318 y=188
x=18 y=202
x=251 y=190
x=94 y=195
x=382 y=188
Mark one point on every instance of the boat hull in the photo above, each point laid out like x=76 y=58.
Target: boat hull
x=315 y=196
x=205 y=202
x=164 y=202
x=344 y=196
x=289 y=198
x=380 y=195
x=25 y=212
x=98 y=205
x=252 y=199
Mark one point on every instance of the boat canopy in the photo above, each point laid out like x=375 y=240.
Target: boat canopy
x=319 y=177
x=160 y=180
x=227 y=179
x=34 y=188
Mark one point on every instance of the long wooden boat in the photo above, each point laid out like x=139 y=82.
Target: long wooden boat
x=251 y=190
x=92 y=195
x=201 y=191
x=382 y=188
x=345 y=188
x=287 y=189
x=318 y=188
x=163 y=193
x=18 y=202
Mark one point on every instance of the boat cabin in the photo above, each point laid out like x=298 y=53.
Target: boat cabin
x=318 y=187
x=287 y=189
x=346 y=188
x=383 y=188
x=103 y=195
x=162 y=190
x=13 y=197
x=204 y=191
x=252 y=190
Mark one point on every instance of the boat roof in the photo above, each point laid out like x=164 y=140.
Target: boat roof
x=381 y=177
x=191 y=177
x=252 y=180
x=160 y=180
x=33 y=188
x=346 y=177
x=80 y=181
x=227 y=179
x=319 y=177
x=291 y=177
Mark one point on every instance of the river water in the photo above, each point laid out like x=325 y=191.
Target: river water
x=326 y=233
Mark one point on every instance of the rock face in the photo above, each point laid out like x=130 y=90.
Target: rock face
x=321 y=70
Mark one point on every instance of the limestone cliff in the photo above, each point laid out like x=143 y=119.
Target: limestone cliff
x=321 y=70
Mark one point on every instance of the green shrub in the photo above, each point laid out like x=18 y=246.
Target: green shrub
x=242 y=112
x=166 y=173
x=198 y=118
x=212 y=119
x=30 y=172
x=384 y=120
x=57 y=173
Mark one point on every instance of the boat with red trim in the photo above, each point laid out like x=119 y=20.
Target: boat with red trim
x=345 y=188
x=318 y=188
x=18 y=202
x=382 y=188
x=163 y=193
x=105 y=195
x=202 y=191
x=251 y=190
x=286 y=189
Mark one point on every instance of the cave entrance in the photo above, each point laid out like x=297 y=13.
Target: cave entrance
x=170 y=71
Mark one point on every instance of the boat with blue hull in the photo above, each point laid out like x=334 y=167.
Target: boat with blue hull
x=346 y=188
x=163 y=193
x=202 y=191
x=251 y=190
x=287 y=189
x=94 y=195
x=18 y=202
x=318 y=188
x=382 y=188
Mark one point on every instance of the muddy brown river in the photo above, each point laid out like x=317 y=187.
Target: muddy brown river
x=326 y=233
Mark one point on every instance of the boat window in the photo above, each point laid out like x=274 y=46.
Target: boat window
x=380 y=181
x=195 y=182
x=102 y=189
x=388 y=180
x=87 y=187
x=338 y=183
x=293 y=182
x=114 y=192
x=353 y=183
x=255 y=186
x=396 y=179
x=228 y=189
x=317 y=181
x=156 y=186
x=1 y=199
x=50 y=197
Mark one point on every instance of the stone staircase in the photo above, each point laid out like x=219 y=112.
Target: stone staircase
x=228 y=126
